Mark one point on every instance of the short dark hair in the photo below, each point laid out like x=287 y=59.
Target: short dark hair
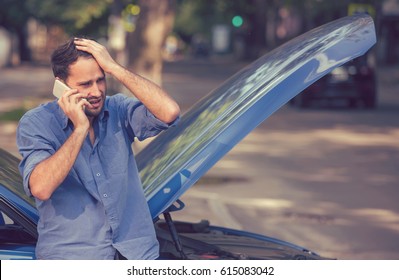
x=65 y=55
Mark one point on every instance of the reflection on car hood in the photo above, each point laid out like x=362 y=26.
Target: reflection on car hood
x=177 y=158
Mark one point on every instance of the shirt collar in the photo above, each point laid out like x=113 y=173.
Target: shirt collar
x=104 y=111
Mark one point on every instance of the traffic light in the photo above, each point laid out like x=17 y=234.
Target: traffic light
x=237 y=21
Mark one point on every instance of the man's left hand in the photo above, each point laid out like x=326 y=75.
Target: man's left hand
x=99 y=52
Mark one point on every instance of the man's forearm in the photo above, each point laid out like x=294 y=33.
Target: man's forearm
x=151 y=95
x=50 y=173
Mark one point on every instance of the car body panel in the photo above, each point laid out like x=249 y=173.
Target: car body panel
x=16 y=201
x=177 y=158
x=204 y=241
x=18 y=221
x=16 y=252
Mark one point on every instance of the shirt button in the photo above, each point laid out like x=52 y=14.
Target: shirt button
x=105 y=195
x=98 y=174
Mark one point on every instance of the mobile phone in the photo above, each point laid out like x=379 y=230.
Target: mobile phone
x=59 y=88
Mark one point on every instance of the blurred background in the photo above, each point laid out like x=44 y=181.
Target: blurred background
x=319 y=173
x=138 y=31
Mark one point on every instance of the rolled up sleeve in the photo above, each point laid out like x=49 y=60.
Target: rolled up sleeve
x=141 y=121
x=33 y=148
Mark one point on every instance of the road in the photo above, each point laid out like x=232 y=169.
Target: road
x=322 y=178
x=325 y=179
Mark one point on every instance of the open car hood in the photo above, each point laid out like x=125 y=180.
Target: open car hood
x=178 y=157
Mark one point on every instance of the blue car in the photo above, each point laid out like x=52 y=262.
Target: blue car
x=180 y=156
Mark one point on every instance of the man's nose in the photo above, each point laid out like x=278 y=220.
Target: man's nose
x=96 y=90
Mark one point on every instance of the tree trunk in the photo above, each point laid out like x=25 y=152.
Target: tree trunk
x=145 y=44
x=23 y=47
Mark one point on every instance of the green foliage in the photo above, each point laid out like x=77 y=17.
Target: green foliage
x=73 y=15
x=197 y=16
x=326 y=9
x=13 y=14
x=193 y=16
x=13 y=115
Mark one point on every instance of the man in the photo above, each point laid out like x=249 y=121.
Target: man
x=78 y=163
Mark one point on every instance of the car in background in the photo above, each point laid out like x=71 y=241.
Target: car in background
x=353 y=84
x=176 y=159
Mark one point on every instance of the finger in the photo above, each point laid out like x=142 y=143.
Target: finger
x=82 y=45
x=77 y=99
x=71 y=97
x=77 y=95
x=70 y=92
x=85 y=43
x=81 y=40
x=89 y=46
x=66 y=97
x=83 y=103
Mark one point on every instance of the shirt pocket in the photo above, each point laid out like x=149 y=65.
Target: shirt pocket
x=114 y=154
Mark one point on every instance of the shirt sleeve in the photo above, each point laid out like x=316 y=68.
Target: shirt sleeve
x=142 y=122
x=33 y=147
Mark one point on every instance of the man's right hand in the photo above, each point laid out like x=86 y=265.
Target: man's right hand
x=72 y=103
x=51 y=172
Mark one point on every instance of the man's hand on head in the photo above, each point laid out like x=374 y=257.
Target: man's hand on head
x=154 y=98
x=99 y=52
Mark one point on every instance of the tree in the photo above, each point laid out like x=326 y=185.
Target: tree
x=74 y=16
x=145 y=44
x=13 y=17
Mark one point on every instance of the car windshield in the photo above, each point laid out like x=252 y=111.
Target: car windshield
x=10 y=176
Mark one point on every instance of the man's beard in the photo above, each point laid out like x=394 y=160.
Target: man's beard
x=94 y=112
x=91 y=113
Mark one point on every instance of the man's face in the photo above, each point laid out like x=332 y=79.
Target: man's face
x=87 y=77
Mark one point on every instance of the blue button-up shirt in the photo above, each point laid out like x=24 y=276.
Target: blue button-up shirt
x=100 y=206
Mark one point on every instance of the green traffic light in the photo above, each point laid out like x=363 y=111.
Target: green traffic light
x=237 y=21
